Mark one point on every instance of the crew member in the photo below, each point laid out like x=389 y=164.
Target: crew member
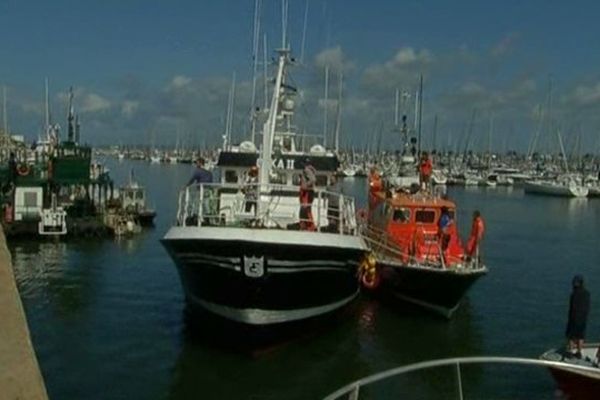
x=477 y=231
x=425 y=170
x=445 y=225
x=579 y=309
x=201 y=174
x=308 y=179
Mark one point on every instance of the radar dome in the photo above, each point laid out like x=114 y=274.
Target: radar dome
x=247 y=147
x=317 y=149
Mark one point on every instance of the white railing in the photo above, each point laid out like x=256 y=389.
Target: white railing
x=266 y=206
x=352 y=391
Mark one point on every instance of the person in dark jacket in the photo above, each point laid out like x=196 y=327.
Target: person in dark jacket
x=579 y=309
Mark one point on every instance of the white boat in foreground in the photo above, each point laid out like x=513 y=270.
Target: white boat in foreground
x=498 y=378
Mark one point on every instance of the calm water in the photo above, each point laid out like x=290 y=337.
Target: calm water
x=107 y=316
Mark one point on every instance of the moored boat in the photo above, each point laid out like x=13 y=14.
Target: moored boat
x=410 y=260
x=242 y=251
x=559 y=187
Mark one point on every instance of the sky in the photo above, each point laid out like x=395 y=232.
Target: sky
x=159 y=72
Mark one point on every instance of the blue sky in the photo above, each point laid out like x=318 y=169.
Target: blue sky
x=147 y=69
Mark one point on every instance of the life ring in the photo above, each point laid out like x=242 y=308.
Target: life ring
x=369 y=277
x=23 y=170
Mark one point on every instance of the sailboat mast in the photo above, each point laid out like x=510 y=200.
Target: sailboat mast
x=255 y=49
x=420 y=114
x=325 y=105
x=4 y=113
x=338 y=121
x=47 y=115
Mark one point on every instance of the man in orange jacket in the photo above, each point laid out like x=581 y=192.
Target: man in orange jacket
x=477 y=231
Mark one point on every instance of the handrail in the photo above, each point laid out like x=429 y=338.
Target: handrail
x=352 y=389
x=386 y=249
x=335 y=212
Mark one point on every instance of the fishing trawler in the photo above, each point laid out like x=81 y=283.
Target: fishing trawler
x=409 y=258
x=242 y=251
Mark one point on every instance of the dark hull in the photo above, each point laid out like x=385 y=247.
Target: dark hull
x=145 y=219
x=439 y=290
x=293 y=282
x=576 y=385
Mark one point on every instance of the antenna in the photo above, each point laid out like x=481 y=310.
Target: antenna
x=303 y=45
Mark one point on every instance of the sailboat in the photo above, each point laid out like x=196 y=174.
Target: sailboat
x=253 y=265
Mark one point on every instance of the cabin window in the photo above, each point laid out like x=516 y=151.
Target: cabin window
x=30 y=199
x=231 y=176
x=140 y=195
x=425 y=217
x=401 y=215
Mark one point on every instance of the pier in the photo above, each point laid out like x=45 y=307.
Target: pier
x=20 y=376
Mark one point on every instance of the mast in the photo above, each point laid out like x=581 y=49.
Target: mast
x=303 y=45
x=396 y=108
x=255 y=49
x=70 y=118
x=420 y=114
x=47 y=114
x=325 y=105
x=338 y=120
x=4 y=113
x=270 y=124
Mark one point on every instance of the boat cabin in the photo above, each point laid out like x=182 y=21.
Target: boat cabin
x=411 y=222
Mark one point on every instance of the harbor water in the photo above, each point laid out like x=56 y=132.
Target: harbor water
x=108 y=321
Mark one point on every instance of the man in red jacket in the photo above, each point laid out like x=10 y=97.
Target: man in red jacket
x=425 y=170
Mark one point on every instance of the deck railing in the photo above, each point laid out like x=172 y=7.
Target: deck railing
x=353 y=390
x=266 y=206
x=386 y=249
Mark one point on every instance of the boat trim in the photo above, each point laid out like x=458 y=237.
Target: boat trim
x=265 y=236
x=257 y=316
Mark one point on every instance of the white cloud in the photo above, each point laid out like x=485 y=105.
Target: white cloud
x=93 y=102
x=334 y=58
x=180 y=81
x=129 y=107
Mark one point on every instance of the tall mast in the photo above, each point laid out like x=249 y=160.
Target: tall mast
x=47 y=119
x=420 y=114
x=255 y=48
x=4 y=113
x=265 y=77
x=303 y=45
x=325 y=105
x=396 y=108
x=338 y=121
x=70 y=118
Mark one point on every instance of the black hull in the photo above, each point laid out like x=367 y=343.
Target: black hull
x=292 y=282
x=145 y=219
x=437 y=290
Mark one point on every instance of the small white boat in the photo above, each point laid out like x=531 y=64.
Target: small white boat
x=438 y=177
